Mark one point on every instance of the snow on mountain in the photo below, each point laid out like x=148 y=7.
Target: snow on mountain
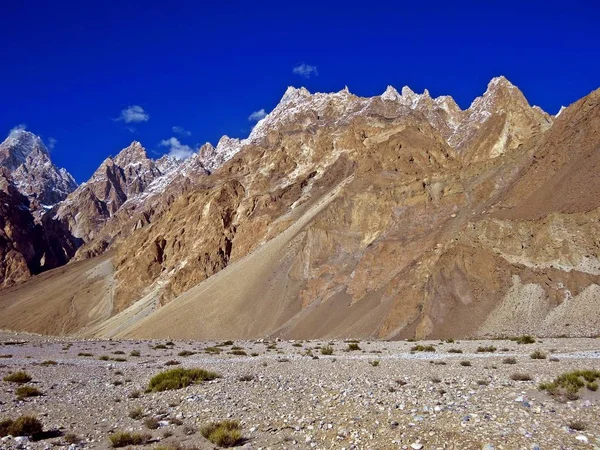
x=33 y=173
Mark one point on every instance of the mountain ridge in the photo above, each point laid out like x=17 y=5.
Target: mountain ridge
x=385 y=213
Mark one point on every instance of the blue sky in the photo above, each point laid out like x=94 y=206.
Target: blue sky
x=70 y=69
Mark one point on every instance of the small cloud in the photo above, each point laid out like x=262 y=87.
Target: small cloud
x=176 y=149
x=305 y=70
x=131 y=129
x=20 y=127
x=257 y=115
x=51 y=143
x=181 y=131
x=133 y=113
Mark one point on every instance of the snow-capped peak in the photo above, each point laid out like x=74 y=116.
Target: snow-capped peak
x=562 y=108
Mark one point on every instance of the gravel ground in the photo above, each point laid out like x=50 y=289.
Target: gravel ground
x=291 y=399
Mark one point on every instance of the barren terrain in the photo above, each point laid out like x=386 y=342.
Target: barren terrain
x=288 y=394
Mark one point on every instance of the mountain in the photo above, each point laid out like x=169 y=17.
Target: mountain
x=393 y=216
x=28 y=161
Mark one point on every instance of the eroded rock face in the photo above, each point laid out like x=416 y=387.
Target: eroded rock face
x=27 y=248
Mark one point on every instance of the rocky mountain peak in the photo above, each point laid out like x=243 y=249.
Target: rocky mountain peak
x=27 y=159
x=132 y=154
x=390 y=94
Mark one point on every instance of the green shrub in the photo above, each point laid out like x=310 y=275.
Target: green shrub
x=212 y=350
x=568 y=384
x=374 y=363
x=85 y=354
x=488 y=349
x=23 y=426
x=18 y=377
x=160 y=347
x=224 y=434
x=179 y=378
x=423 y=348
x=135 y=353
x=520 y=377
x=48 y=363
x=124 y=438
x=455 y=350
x=27 y=391
x=353 y=346
x=151 y=423
x=238 y=353
x=327 y=350
x=185 y=353
x=465 y=363
x=525 y=339
x=136 y=413
x=104 y=358
x=538 y=354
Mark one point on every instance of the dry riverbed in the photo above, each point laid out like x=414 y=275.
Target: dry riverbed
x=291 y=395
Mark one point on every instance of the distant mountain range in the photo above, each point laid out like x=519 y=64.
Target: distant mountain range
x=393 y=216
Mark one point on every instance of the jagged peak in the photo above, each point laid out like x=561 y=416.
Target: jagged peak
x=407 y=92
x=500 y=81
x=134 y=152
x=292 y=93
x=562 y=108
x=391 y=94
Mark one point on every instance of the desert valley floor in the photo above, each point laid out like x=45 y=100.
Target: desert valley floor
x=288 y=394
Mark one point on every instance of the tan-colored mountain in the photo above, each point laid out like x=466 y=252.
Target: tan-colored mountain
x=390 y=217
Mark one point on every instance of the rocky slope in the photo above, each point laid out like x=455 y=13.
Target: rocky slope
x=28 y=161
x=392 y=216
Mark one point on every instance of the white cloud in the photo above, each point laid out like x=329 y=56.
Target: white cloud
x=20 y=127
x=181 y=131
x=305 y=70
x=257 y=115
x=133 y=113
x=176 y=149
x=51 y=143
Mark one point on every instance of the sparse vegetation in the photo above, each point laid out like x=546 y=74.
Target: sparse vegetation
x=124 y=438
x=134 y=394
x=185 y=353
x=538 y=354
x=212 y=350
x=136 y=413
x=135 y=353
x=520 y=377
x=509 y=360
x=71 y=438
x=422 y=348
x=224 y=434
x=525 y=339
x=353 y=346
x=577 y=425
x=23 y=426
x=482 y=382
x=151 y=423
x=568 y=384
x=246 y=378
x=48 y=363
x=172 y=362
x=27 y=391
x=179 y=378
x=465 y=363
x=455 y=350
x=18 y=377
x=238 y=353
x=488 y=349
x=327 y=350
x=374 y=363
x=85 y=354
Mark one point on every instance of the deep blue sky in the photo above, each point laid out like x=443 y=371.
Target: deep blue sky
x=67 y=69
